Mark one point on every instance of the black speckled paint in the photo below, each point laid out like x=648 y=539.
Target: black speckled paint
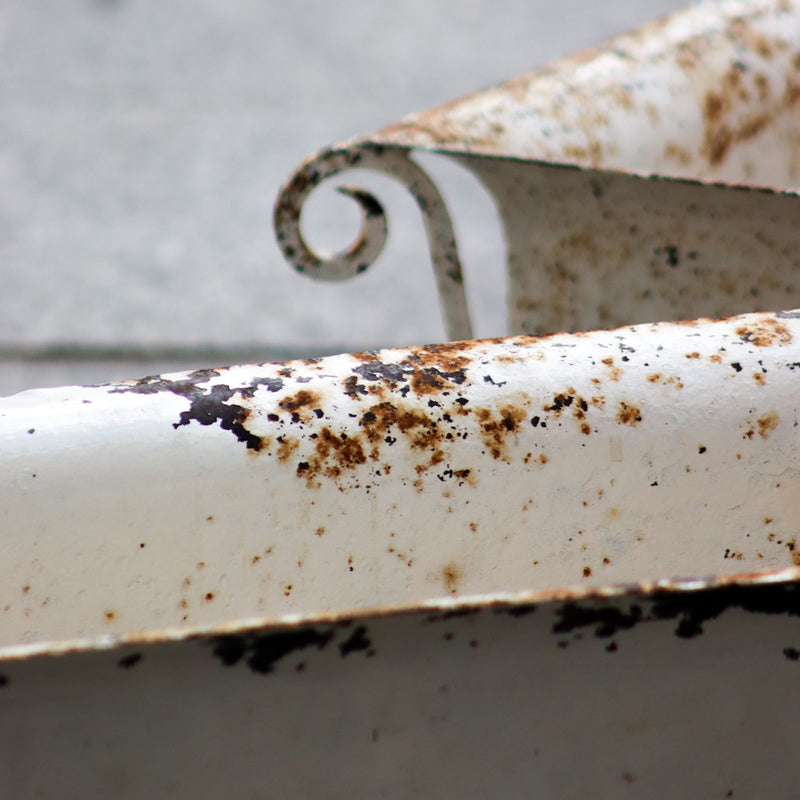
x=208 y=404
x=262 y=651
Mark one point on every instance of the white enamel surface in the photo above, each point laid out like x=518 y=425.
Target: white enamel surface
x=710 y=92
x=508 y=465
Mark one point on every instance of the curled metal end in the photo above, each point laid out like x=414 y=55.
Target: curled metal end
x=372 y=235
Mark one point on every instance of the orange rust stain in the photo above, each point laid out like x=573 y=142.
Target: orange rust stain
x=448 y=356
x=365 y=356
x=628 y=415
x=377 y=421
x=722 y=128
x=615 y=371
x=320 y=531
x=666 y=380
x=679 y=154
x=451 y=575
x=255 y=559
x=606 y=560
x=332 y=454
x=613 y=512
x=26 y=589
x=715 y=359
x=200 y=565
x=586 y=428
x=110 y=616
x=473 y=526
x=794 y=552
x=693 y=355
x=765 y=334
x=767 y=422
x=495 y=430
x=303 y=399
x=759 y=378
x=209 y=597
x=587 y=572
x=762 y=85
x=286 y=446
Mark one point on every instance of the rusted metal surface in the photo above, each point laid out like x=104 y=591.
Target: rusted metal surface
x=400 y=476
x=706 y=98
x=449 y=570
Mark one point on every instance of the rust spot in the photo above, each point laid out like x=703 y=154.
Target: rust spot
x=628 y=415
x=586 y=428
x=320 y=531
x=722 y=126
x=451 y=575
x=302 y=404
x=332 y=454
x=587 y=572
x=496 y=429
x=666 y=380
x=209 y=597
x=715 y=359
x=765 y=334
x=25 y=589
x=110 y=616
x=767 y=422
x=759 y=378
x=679 y=154
x=286 y=446
x=693 y=355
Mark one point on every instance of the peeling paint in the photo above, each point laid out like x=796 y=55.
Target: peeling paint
x=653 y=178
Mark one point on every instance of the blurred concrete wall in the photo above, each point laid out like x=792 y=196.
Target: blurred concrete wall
x=142 y=144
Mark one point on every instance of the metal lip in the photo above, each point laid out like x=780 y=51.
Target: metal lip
x=483 y=153
x=458 y=605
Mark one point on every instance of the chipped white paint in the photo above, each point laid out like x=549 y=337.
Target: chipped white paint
x=294 y=574
x=398 y=476
x=709 y=94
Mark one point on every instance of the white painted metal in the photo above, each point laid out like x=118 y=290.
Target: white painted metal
x=450 y=571
x=395 y=477
x=679 y=691
x=710 y=93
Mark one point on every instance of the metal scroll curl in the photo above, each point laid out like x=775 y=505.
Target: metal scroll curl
x=395 y=162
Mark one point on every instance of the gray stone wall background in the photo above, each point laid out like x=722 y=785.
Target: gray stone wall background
x=142 y=144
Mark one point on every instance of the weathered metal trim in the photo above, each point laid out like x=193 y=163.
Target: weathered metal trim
x=515 y=604
x=372 y=237
x=708 y=95
x=401 y=476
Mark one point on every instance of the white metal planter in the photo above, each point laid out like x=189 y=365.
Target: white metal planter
x=555 y=565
